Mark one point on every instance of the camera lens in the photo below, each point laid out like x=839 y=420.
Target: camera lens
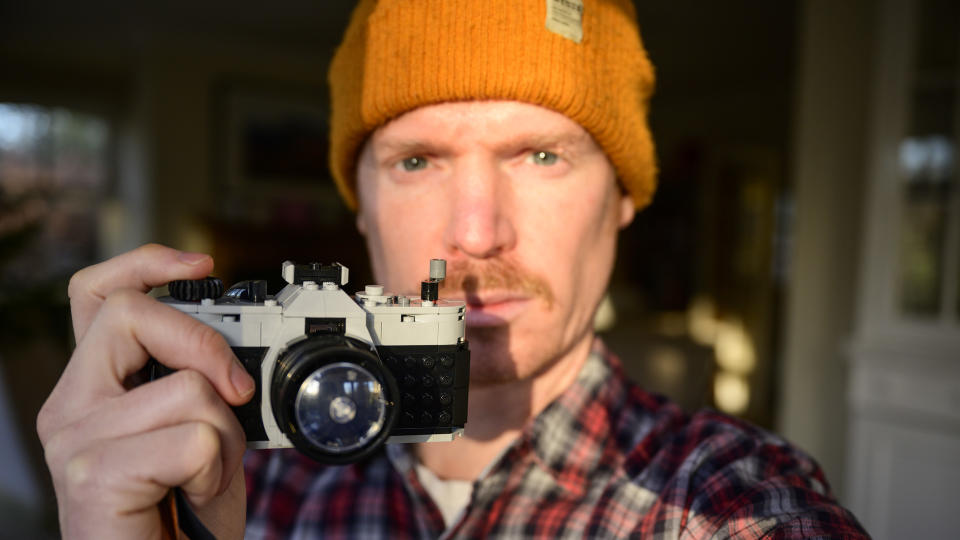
x=333 y=398
x=340 y=407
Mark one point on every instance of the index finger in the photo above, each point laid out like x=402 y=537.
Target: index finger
x=125 y=333
x=143 y=268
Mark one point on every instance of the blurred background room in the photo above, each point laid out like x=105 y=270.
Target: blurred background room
x=799 y=268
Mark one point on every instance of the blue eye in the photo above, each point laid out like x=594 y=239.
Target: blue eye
x=542 y=157
x=414 y=163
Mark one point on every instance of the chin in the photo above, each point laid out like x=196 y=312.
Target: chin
x=496 y=359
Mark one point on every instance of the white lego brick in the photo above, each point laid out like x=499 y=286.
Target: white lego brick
x=232 y=331
x=287 y=270
x=450 y=332
x=408 y=333
x=435 y=437
x=279 y=322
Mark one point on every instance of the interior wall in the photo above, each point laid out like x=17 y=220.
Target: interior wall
x=708 y=247
x=828 y=172
x=155 y=71
x=152 y=72
x=185 y=153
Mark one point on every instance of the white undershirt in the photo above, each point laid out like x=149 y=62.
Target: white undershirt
x=450 y=496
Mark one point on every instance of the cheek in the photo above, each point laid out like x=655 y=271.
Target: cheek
x=399 y=238
x=574 y=231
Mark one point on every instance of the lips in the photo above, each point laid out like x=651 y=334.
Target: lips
x=494 y=308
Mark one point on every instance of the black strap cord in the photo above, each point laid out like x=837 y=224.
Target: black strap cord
x=190 y=524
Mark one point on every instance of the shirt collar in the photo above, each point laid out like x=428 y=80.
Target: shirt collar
x=576 y=435
x=573 y=437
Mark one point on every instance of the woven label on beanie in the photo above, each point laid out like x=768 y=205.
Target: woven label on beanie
x=565 y=17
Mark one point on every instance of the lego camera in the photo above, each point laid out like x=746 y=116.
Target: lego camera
x=337 y=377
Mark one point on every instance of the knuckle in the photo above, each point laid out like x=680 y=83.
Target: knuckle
x=80 y=474
x=195 y=389
x=192 y=382
x=205 y=442
x=45 y=422
x=204 y=448
x=55 y=450
x=206 y=340
x=201 y=496
x=152 y=247
x=122 y=301
x=78 y=282
x=150 y=251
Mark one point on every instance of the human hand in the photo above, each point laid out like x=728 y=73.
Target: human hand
x=113 y=450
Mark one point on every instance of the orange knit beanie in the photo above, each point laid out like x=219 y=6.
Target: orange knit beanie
x=582 y=58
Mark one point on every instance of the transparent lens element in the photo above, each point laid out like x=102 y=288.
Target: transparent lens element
x=340 y=407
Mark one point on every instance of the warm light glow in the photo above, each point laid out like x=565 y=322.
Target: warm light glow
x=672 y=324
x=731 y=393
x=668 y=364
x=195 y=237
x=702 y=322
x=606 y=315
x=734 y=348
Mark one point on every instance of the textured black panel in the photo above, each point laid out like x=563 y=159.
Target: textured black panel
x=194 y=290
x=324 y=325
x=249 y=414
x=317 y=273
x=433 y=381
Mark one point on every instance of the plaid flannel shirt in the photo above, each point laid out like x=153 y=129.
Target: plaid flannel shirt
x=604 y=460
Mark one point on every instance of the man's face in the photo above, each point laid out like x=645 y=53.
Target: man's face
x=521 y=202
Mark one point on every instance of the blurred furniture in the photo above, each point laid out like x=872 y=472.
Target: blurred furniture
x=904 y=438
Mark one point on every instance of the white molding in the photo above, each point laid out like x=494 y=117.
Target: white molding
x=950 y=311
x=904 y=480
x=888 y=120
x=913 y=397
x=904 y=385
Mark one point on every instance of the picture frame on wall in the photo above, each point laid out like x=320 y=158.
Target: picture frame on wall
x=272 y=141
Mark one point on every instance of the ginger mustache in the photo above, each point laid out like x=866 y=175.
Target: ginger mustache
x=499 y=275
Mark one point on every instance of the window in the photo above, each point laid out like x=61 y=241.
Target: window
x=929 y=243
x=54 y=165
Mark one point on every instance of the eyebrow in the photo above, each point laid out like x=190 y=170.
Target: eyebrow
x=415 y=146
x=409 y=147
x=542 y=140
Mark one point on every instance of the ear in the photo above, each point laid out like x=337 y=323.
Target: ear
x=627 y=210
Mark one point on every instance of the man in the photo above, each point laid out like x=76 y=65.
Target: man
x=509 y=138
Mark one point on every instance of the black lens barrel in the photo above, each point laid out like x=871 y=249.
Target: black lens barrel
x=305 y=357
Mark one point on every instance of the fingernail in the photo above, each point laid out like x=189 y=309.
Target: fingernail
x=242 y=381
x=192 y=259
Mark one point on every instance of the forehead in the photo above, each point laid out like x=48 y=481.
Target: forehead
x=491 y=122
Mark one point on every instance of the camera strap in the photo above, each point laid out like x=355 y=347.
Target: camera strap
x=177 y=517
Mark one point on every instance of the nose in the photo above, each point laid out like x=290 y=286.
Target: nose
x=481 y=210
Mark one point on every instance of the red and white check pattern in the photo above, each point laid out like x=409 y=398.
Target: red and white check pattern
x=605 y=460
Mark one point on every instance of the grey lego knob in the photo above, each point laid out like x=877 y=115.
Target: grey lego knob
x=438 y=269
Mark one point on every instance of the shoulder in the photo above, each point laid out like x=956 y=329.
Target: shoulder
x=717 y=475
x=659 y=440
x=708 y=442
